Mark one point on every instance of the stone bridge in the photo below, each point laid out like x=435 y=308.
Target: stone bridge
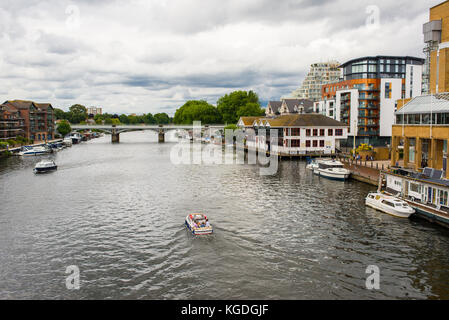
x=115 y=130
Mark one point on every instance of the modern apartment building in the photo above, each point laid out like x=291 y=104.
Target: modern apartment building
x=36 y=119
x=365 y=98
x=92 y=111
x=319 y=74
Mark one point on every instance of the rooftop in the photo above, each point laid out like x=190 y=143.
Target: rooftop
x=436 y=103
x=304 y=120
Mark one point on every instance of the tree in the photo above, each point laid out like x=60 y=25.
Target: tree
x=162 y=118
x=229 y=104
x=251 y=109
x=197 y=110
x=60 y=114
x=64 y=128
x=77 y=113
x=124 y=119
x=149 y=119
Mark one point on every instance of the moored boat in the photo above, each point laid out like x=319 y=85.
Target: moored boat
x=198 y=224
x=427 y=192
x=67 y=142
x=34 y=150
x=389 y=204
x=45 y=166
x=331 y=169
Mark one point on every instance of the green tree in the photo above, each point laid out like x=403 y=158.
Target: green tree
x=251 y=109
x=149 y=119
x=64 y=128
x=162 y=118
x=60 y=114
x=77 y=113
x=197 y=110
x=229 y=104
x=123 y=119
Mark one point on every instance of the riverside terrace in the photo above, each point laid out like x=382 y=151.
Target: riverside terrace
x=115 y=130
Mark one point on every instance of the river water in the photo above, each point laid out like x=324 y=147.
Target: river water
x=117 y=213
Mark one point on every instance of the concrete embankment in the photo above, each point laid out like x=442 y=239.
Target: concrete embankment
x=363 y=173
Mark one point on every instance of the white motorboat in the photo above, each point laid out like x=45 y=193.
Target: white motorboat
x=45 y=166
x=76 y=137
x=34 y=150
x=389 y=204
x=312 y=165
x=198 y=224
x=331 y=169
x=67 y=142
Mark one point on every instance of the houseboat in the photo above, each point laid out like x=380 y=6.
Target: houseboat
x=426 y=192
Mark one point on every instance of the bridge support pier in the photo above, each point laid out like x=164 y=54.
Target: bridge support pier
x=115 y=137
x=161 y=136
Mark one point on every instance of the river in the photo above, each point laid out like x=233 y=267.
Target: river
x=116 y=211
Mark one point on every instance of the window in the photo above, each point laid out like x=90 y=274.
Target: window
x=339 y=132
x=315 y=132
x=295 y=143
x=321 y=132
x=322 y=143
x=388 y=90
x=295 y=132
x=414 y=187
x=330 y=132
x=315 y=143
x=307 y=143
x=308 y=132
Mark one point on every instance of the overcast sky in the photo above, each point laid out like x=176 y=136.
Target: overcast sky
x=139 y=56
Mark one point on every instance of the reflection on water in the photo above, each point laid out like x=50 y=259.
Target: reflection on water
x=117 y=212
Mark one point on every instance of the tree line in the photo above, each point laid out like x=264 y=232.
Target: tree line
x=78 y=114
x=229 y=109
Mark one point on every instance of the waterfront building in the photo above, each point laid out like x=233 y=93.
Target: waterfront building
x=11 y=123
x=365 y=98
x=422 y=128
x=272 y=108
x=320 y=73
x=297 y=133
x=288 y=106
x=38 y=118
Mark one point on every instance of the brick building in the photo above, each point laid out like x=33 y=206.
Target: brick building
x=36 y=121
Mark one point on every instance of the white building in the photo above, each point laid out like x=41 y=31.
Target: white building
x=297 y=133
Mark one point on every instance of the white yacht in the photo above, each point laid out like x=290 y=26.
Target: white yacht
x=67 y=142
x=45 y=166
x=389 y=204
x=76 y=137
x=331 y=169
x=34 y=150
